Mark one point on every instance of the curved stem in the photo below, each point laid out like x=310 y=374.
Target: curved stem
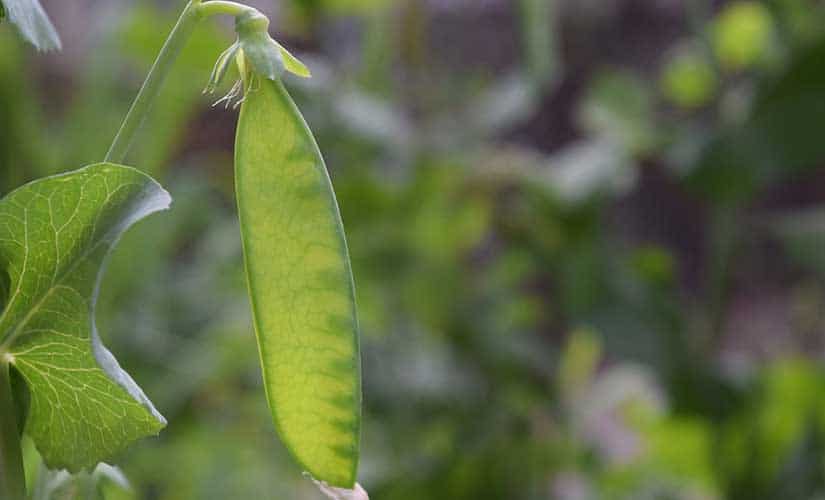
x=215 y=7
x=12 y=477
x=195 y=11
x=151 y=86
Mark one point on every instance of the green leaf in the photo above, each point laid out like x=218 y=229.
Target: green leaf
x=33 y=23
x=55 y=234
x=300 y=285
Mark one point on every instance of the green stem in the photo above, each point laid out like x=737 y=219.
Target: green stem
x=12 y=478
x=724 y=236
x=151 y=86
x=216 y=7
x=195 y=11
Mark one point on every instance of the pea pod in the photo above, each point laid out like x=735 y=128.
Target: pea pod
x=300 y=284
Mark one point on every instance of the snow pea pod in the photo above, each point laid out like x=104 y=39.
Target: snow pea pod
x=300 y=284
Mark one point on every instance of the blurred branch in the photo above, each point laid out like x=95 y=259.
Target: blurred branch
x=723 y=238
x=539 y=23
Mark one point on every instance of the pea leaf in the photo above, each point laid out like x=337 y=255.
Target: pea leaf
x=300 y=285
x=55 y=234
x=33 y=23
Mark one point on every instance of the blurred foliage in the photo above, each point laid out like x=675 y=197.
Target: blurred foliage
x=688 y=78
x=587 y=240
x=742 y=34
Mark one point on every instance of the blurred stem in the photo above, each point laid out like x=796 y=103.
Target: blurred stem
x=12 y=478
x=723 y=239
x=539 y=24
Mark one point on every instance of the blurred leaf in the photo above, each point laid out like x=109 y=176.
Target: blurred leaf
x=688 y=79
x=373 y=118
x=742 y=34
x=579 y=361
x=781 y=136
x=503 y=104
x=619 y=106
x=655 y=265
x=797 y=20
x=760 y=446
x=588 y=170
x=802 y=233
x=57 y=234
x=32 y=22
x=680 y=449
x=24 y=149
x=802 y=472
x=790 y=398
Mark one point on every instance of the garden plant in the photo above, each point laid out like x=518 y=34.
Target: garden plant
x=63 y=388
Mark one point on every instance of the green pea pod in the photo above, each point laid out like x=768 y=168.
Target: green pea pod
x=300 y=285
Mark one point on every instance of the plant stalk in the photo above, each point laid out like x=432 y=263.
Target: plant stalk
x=12 y=477
x=215 y=7
x=151 y=86
x=195 y=11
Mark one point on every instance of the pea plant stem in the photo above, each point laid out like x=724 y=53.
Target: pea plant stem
x=194 y=11
x=151 y=86
x=214 y=7
x=12 y=478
